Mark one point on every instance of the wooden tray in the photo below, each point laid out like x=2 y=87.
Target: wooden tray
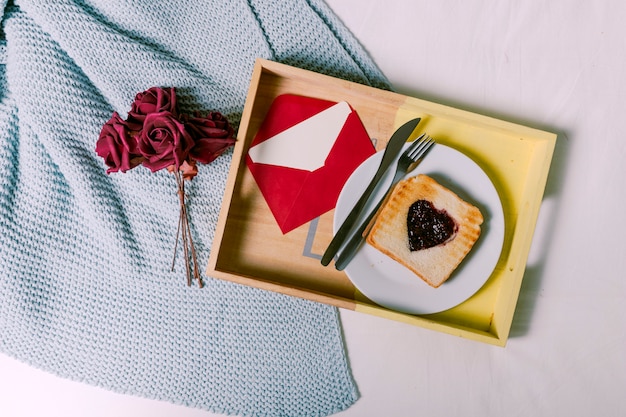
x=250 y=249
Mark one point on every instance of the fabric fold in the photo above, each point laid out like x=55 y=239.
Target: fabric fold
x=86 y=290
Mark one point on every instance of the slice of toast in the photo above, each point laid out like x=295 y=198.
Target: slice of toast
x=433 y=261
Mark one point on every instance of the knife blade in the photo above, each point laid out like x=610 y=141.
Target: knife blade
x=393 y=148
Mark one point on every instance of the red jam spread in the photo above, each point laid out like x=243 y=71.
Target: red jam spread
x=428 y=226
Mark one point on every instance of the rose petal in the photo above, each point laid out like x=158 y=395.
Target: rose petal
x=164 y=141
x=116 y=146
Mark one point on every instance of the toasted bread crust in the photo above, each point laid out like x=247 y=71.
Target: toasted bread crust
x=389 y=231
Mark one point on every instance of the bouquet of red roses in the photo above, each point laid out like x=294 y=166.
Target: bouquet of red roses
x=156 y=135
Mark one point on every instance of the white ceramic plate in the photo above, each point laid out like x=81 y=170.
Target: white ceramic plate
x=390 y=284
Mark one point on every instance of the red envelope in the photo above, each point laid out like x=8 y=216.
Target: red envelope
x=312 y=147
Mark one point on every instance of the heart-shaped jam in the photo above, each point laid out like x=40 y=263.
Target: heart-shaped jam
x=428 y=226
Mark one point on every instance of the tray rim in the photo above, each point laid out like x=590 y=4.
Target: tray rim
x=507 y=297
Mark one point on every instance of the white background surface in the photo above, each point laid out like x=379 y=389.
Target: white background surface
x=557 y=65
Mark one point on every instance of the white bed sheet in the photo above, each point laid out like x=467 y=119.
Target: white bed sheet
x=557 y=65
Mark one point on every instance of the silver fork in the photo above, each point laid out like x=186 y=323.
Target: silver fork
x=416 y=151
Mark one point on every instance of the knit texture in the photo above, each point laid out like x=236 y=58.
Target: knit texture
x=86 y=290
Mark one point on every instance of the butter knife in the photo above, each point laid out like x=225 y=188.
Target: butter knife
x=393 y=148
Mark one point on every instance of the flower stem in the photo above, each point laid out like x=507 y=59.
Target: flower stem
x=184 y=232
x=180 y=221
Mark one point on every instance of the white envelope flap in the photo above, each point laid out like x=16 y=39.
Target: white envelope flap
x=305 y=145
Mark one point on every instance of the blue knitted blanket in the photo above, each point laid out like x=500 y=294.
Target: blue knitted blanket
x=86 y=290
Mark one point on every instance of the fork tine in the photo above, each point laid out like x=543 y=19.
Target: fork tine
x=418 y=149
x=425 y=149
x=414 y=145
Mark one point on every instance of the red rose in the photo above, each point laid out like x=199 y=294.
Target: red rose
x=117 y=147
x=212 y=135
x=164 y=141
x=154 y=100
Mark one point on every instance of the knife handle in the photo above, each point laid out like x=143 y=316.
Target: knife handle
x=355 y=241
x=343 y=231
